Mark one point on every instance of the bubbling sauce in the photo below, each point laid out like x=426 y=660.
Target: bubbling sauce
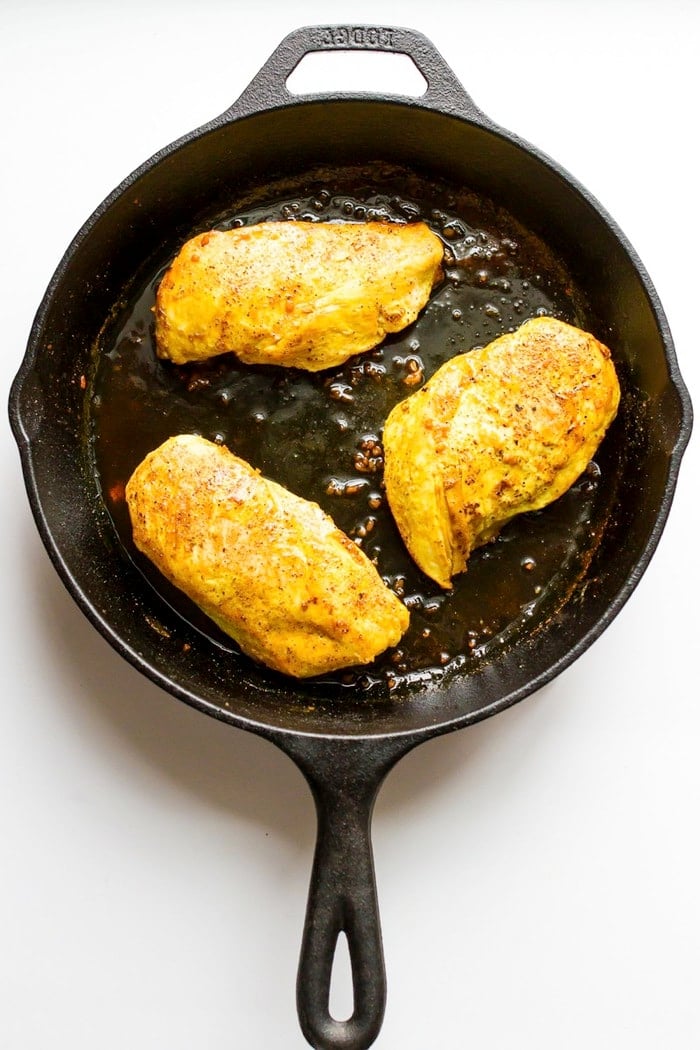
x=320 y=434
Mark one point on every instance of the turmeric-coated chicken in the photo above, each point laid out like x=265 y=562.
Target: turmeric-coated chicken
x=302 y=294
x=269 y=568
x=495 y=432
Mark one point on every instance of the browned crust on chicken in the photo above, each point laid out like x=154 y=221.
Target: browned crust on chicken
x=269 y=568
x=302 y=294
x=495 y=432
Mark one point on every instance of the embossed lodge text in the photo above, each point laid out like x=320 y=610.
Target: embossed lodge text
x=356 y=36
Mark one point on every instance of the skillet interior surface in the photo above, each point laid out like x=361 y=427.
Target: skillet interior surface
x=520 y=238
x=320 y=434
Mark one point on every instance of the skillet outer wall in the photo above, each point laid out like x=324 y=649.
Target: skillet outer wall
x=48 y=405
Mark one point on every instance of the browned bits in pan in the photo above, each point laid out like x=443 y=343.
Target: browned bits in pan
x=369 y=458
x=320 y=435
x=341 y=392
x=347 y=489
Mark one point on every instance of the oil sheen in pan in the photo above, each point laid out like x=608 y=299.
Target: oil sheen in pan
x=320 y=434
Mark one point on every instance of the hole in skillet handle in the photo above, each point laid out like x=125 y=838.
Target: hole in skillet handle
x=385 y=74
x=340 y=1002
x=430 y=82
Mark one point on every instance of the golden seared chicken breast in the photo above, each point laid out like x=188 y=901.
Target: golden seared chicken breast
x=302 y=294
x=494 y=433
x=269 y=568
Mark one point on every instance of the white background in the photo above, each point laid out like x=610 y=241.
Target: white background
x=538 y=874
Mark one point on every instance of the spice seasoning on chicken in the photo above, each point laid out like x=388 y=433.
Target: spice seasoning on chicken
x=496 y=432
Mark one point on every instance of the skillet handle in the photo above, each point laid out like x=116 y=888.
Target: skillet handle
x=444 y=92
x=344 y=776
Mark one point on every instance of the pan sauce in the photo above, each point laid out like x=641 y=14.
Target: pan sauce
x=320 y=434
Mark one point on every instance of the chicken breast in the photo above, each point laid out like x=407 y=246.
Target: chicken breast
x=269 y=568
x=494 y=433
x=302 y=294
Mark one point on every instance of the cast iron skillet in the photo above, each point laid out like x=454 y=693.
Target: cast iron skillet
x=345 y=735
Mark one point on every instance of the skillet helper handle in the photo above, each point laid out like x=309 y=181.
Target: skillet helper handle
x=443 y=92
x=344 y=777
